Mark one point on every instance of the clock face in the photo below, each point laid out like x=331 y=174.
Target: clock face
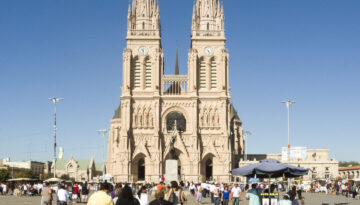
x=209 y=51
x=143 y=50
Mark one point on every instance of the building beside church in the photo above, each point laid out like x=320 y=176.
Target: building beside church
x=316 y=160
x=209 y=142
x=78 y=170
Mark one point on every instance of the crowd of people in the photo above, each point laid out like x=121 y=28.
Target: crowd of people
x=174 y=193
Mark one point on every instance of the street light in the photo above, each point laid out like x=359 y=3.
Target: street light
x=246 y=134
x=288 y=103
x=103 y=133
x=55 y=101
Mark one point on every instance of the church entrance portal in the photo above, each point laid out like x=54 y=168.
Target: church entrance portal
x=141 y=170
x=209 y=170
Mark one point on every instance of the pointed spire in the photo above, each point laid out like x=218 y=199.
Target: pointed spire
x=177 y=63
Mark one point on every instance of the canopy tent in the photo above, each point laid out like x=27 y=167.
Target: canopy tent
x=270 y=168
x=54 y=180
x=20 y=179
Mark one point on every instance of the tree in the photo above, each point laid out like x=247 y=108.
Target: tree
x=65 y=177
x=4 y=175
x=24 y=173
x=347 y=164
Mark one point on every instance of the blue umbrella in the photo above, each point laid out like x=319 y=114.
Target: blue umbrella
x=270 y=168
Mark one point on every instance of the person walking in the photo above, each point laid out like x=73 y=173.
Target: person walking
x=101 y=197
x=236 y=194
x=127 y=197
x=46 y=194
x=225 y=196
x=62 y=195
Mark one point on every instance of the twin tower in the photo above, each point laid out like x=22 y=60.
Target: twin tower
x=193 y=108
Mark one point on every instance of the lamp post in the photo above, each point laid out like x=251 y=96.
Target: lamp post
x=288 y=103
x=55 y=101
x=103 y=133
x=246 y=134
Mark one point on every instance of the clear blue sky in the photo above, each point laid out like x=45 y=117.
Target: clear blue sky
x=304 y=50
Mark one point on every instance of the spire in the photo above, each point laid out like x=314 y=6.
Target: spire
x=177 y=63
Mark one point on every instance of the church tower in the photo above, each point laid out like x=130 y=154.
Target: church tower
x=208 y=56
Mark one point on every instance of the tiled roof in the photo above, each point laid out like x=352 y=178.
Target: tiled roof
x=349 y=168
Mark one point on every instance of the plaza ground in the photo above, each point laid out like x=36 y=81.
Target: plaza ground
x=310 y=199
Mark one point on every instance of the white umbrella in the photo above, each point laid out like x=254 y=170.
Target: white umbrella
x=53 y=180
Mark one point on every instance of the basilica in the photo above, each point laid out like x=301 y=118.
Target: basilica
x=189 y=116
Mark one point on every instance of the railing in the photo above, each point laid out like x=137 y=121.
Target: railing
x=144 y=33
x=206 y=33
x=175 y=84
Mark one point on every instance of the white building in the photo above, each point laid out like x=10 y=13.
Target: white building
x=317 y=160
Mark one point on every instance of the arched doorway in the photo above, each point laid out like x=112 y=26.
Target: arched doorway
x=209 y=170
x=141 y=170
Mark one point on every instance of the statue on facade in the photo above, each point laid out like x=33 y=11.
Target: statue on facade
x=172 y=142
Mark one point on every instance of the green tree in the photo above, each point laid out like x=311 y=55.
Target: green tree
x=24 y=173
x=4 y=175
x=65 y=177
x=347 y=164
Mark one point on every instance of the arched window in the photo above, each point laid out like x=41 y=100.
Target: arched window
x=208 y=26
x=202 y=80
x=148 y=73
x=180 y=121
x=213 y=74
x=143 y=25
x=137 y=73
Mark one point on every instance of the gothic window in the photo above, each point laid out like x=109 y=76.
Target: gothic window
x=213 y=74
x=143 y=25
x=137 y=74
x=180 y=121
x=208 y=26
x=148 y=73
x=202 y=74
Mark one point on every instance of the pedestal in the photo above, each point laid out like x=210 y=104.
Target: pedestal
x=171 y=171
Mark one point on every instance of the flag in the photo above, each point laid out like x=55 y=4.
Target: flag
x=61 y=153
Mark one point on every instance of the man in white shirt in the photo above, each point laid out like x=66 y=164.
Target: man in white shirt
x=217 y=197
x=236 y=194
x=62 y=195
x=212 y=189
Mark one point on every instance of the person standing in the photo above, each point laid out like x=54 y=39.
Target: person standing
x=46 y=194
x=225 y=196
x=85 y=192
x=236 y=194
x=159 y=199
x=101 y=197
x=142 y=196
x=62 y=195
x=126 y=198
x=199 y=194
x=216 y=195
x=253 y=195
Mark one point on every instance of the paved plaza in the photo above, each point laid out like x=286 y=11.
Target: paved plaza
x=310 y=199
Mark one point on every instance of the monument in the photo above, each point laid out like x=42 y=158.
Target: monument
x=171 y=165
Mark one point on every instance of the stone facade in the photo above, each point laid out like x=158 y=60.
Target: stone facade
x=209 y=143
x=317 y=160
x=37 y=168
x=352 y=173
